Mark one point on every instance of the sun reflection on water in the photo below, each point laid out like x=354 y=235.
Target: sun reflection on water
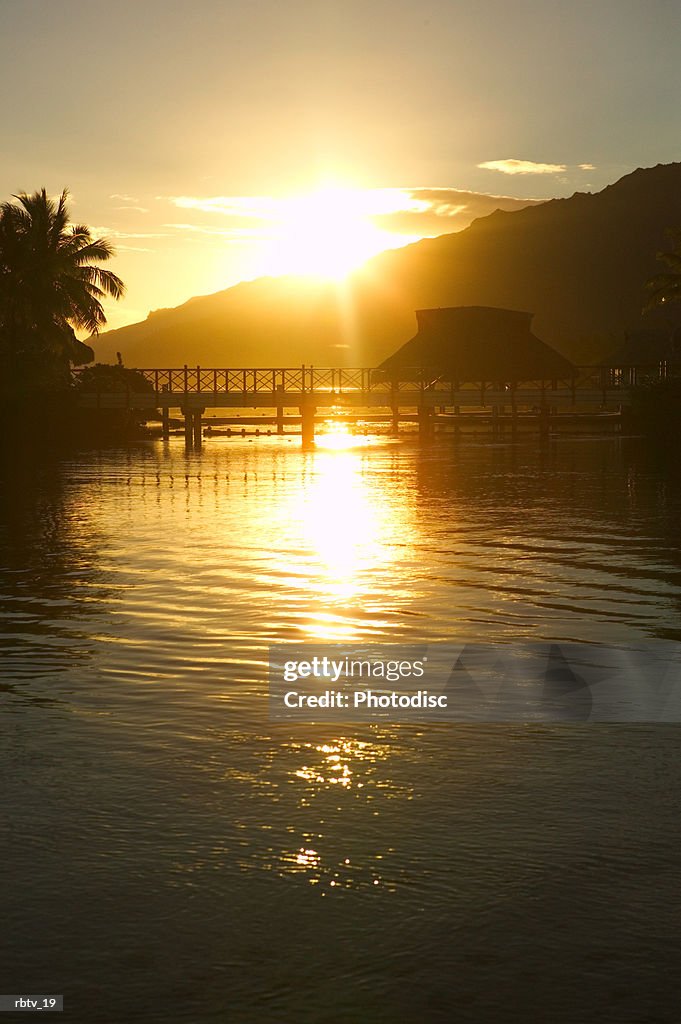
x=348 y=534
x=337 y=436
x=352 y=771
x=335 y=769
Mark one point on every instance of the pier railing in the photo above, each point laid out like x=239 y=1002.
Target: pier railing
x=340 y=380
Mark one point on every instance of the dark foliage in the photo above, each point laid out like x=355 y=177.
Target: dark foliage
x=107 y=378
x=656 y=409
x=50 y=286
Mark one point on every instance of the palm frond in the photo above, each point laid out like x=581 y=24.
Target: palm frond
x=109 y=282
x=49 y=273
x=100 y=250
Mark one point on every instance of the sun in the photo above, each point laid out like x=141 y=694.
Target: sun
x=329 y=232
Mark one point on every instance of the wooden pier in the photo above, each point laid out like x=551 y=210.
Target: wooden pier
x=313 y=393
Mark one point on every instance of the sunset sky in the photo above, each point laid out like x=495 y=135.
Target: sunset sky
x=214 y=142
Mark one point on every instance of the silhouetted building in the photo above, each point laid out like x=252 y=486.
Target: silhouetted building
x=650 y=354
x=476 y=344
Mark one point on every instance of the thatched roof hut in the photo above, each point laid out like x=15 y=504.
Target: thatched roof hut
x=476 y=344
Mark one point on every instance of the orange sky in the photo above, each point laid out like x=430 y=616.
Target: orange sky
x=214 y=142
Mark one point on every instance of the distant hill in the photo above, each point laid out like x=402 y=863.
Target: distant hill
x=578 y=264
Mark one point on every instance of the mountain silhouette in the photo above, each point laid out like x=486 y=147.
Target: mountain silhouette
x=579 y=264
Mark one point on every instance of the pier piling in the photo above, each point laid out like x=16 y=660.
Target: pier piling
x=197 y=427
x=307 y=415
x=280 y=408
x=425 y=415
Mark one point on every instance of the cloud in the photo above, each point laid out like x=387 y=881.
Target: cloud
x=439 y=211
x=229 y=233
x=99 y=231
x=260 y=207
x=421 y=210
x=357 y=202
x=403 y=213
x=443 y=202
x=510 y=166
x=131 y=202
x=587 y=167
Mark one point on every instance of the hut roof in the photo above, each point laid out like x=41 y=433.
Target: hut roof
x=646 y=348
x=81 y=353
x=476 y=343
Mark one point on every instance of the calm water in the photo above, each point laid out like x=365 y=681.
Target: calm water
x=171 y=855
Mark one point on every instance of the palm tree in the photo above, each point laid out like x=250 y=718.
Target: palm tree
x=50 y=286
x=666 y=287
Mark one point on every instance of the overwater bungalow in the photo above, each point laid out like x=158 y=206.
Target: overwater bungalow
x=477 y=345
x=645 y=355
